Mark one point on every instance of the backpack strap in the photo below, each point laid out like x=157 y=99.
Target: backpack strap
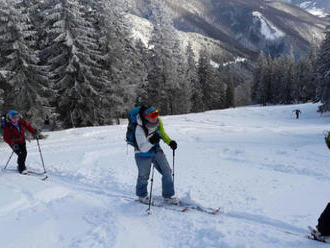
x=141 y=110
x=144 y=129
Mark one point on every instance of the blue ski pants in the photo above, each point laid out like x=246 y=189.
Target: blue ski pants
x=144 y=166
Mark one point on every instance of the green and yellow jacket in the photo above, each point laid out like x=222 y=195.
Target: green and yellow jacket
x=142 y=135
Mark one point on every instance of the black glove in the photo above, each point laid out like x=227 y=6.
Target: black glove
x=173 y=145
x=36 y=134
x=154 y=139
x=15 y=147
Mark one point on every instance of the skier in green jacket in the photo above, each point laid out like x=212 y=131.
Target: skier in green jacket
x=149 y=131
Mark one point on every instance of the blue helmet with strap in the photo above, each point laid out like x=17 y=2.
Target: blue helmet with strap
x=12 y=113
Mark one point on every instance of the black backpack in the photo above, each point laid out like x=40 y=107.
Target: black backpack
x=324 y=222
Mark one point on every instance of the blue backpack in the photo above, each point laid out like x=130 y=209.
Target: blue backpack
x=132 y=123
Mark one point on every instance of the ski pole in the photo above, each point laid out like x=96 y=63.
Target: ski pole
x=42 y=160
x=152 y=182
x=173 y=165
x=12 y=153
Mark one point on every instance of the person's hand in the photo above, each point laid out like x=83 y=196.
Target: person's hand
x=154 y=139
x=15 y=147
x=36 y=134
x=173 y=145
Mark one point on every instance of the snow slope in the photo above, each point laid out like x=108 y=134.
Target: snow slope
x=268 y=30
x=269 y=172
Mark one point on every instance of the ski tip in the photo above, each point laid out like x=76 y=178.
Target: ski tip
x=185 y=209
x=217 y=211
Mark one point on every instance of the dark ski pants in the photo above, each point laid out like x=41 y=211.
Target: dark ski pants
x=21 y=153
x=144 y=166
x=324 y=222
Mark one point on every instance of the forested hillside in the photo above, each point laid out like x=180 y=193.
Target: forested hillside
x=84 y=63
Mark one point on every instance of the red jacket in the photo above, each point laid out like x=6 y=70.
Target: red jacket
x=11 y=134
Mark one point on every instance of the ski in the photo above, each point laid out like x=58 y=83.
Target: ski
x=165 y=206
x=176 y=208
x=197 y=207
x=185 y=207
x=42 y=176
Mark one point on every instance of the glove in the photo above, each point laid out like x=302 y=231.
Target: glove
x=154 y=139
x=15 y=147
x=173 y=145
x=36 y=134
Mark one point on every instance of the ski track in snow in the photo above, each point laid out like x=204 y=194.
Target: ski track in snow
x=267 y=171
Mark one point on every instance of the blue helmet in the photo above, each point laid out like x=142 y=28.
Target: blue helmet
x=12 y=113
x=149 y=110
x=150 y=113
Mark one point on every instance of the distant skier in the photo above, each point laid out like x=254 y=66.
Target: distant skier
x=14 y=135
x=322 y=231
x=148 y=133
x=298 y=112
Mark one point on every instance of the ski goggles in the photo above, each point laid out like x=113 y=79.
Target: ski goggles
x=152 y=115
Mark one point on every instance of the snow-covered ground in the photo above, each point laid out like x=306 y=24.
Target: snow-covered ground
x=269 y=172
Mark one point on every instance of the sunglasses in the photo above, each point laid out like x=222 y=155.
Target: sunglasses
x=152 y=115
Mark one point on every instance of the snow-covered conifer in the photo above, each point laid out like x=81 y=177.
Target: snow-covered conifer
x=210 y=84
x=24 y=84
x=323 y=73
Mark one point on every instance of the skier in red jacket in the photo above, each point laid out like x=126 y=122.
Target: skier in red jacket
x=14 y=135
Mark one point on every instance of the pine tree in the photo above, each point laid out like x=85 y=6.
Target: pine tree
x=306 y=87
x=166 y=70
x=123 y=60
x=323 y=73
x=230 y=93
x=181 y=90
x=290 y=86
x=24 y=82
x=210 y=83
x=141 y=88
x=279 y=68
x=258 y=90
x=263 y=76
x=192 y=76
x=2 y=95
x=74 y=60
x=160 y=68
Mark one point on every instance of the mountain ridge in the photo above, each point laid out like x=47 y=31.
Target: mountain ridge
x=239 y=30
x=319 y=8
